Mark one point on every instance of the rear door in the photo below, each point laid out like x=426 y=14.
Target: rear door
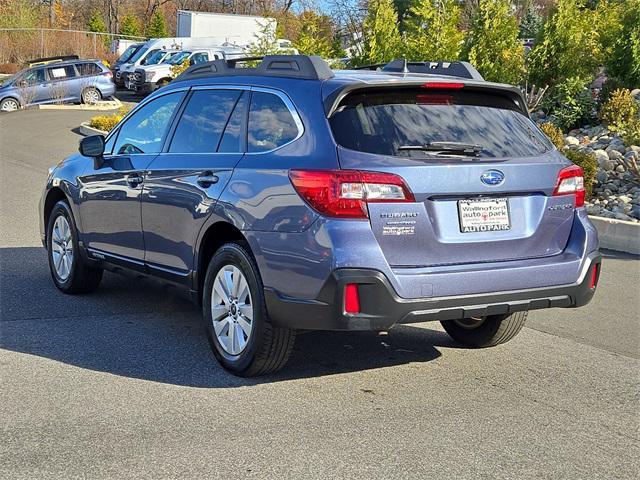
x=64 y=84
x=481 y=172
x=184 y=182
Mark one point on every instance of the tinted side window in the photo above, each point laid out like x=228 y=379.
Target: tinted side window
x=203 y=121
x=62 y=73
x=88 y=69
x=270 y=123
x=234 y=132
x=145 y=130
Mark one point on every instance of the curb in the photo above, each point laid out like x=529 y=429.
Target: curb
x=102 y=105
x=618 y=234
x=86 y=130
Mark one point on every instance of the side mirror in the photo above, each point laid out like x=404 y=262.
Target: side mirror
x=92 y=146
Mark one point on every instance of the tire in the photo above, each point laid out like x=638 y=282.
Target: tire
x=78 y=276
x=9 y=105
x=91 y=96
x=486 y=332
x=260 y=347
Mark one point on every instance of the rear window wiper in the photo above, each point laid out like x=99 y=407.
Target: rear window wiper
x=457 y=148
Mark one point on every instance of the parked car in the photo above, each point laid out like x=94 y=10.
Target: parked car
x=86 y=81
x=157 y=57
x=148 y=78
x=288 y=197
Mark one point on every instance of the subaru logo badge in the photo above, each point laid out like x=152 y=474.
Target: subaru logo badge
x=492 y=177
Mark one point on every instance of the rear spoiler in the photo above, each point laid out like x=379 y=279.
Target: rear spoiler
x=333 y=99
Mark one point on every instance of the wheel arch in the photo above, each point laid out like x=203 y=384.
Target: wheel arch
x=54 y=195
x=211 y=240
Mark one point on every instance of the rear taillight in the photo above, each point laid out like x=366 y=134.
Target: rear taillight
x=345 y=193
x=108 y=74
x=571 y=182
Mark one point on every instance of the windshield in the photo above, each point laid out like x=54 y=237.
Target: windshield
x=155 y=57
x=8 y=80
x=168 y=58
x=418 y=123
x=138 y=55
x=178 y=58
x=128 y=53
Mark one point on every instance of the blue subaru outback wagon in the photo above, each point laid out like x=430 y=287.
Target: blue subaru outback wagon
x=289 y=197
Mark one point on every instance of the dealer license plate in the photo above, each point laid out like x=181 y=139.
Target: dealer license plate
x=484 y=215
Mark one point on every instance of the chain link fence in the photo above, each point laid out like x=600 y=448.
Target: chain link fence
x=19 y=45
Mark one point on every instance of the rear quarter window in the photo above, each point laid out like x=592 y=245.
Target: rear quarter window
x=88 y=69
x=271 y=124
x=390 y=122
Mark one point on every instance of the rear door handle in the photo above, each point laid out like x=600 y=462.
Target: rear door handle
x=134 y=179
x=207 y=179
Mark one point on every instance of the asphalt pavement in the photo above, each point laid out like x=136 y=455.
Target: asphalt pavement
x=122 y=384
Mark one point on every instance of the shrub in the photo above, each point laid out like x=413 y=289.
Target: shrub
x=631 y=132
x=106 y=123
x=589 y=164
x=611 y=85
x=9 y=68
x=619 y=110
x=554 y=134
x=571 y=103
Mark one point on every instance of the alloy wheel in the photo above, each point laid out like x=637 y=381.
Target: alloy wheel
x=231 y=309
x=62 y=248
x=10 y=105
x=91 y=96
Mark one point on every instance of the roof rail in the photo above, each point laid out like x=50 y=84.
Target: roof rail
x=453 y=69
x=306 y=67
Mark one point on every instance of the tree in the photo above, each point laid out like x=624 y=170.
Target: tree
x=493 y=45
x=570 y=45
x=96 y=23
x=623 y=61
x=432 y=31
x=381 y=37
x=531 y=22
x=130 y=26
x=158 y=26
x=312 y=40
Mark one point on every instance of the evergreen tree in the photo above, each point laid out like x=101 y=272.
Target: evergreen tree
x=96 y=23
x=432 y=31
x=493 y=45
x=570 y=45
x=531 y=22
x=130 y=26
x=623 y=62
x=381 y=37
x=312 y=42
x=158 y=26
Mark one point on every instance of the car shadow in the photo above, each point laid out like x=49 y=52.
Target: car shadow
x=140 y=328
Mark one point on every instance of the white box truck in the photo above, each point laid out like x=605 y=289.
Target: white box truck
x=235 y=29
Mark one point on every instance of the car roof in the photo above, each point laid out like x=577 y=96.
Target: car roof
x=66 y=62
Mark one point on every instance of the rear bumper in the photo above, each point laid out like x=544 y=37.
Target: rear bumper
x=381 y=307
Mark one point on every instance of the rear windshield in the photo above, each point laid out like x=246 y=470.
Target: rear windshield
x=411 y=122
